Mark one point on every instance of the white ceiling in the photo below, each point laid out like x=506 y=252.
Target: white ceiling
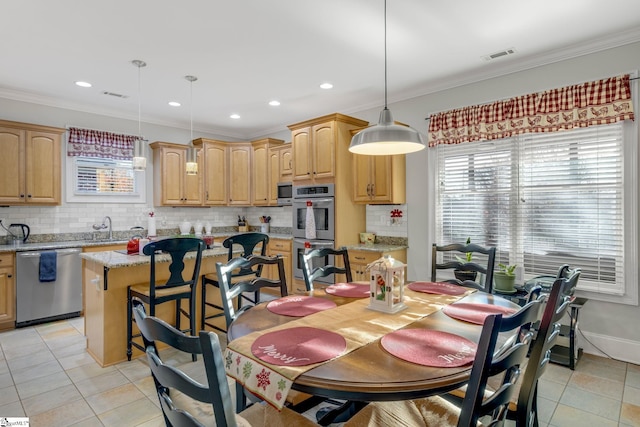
x=248 y=52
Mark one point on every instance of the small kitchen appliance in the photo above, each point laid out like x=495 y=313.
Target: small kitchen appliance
x=19 y=232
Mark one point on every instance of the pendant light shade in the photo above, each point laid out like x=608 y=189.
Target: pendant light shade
x=386 y=138
x=139 y=160
x=191 y=166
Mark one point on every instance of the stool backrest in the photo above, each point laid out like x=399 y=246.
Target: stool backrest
x=248 y=241
x=177 y=248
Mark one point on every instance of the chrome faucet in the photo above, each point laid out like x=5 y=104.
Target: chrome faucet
x=103 y=226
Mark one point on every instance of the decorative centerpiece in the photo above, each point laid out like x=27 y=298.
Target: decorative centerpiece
x=386 y=283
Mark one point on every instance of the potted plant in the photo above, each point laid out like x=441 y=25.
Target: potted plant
x=505 y=278
x=463 y=275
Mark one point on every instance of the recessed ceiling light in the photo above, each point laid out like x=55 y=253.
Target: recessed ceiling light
x=235 y=116
x=83 y=84
x=326 y=86
x=274 y=103
x=174 y=103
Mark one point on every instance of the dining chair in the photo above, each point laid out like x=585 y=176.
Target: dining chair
x=175 y=288
x=311 y=271
x=231 y=290
x=524 y=405
x=186 y=401
x=454 y=257
x=490 y=359
x=249 y=242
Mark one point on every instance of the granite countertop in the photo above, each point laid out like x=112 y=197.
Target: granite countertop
x=116 y=259
x=376 y=247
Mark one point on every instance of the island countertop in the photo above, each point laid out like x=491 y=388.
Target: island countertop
x=119 y=259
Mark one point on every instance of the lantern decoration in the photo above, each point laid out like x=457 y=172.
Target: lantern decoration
x=386 y=285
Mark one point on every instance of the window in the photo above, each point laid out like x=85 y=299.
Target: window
x=546 y=199
x=92 y=179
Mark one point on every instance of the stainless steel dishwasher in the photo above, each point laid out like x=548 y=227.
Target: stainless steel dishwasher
x=39 y=302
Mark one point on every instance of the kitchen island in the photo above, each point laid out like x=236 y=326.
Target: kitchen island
x=106 y=277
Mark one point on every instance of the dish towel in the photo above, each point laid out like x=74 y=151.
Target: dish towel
x=48 y=266
x=310 y=223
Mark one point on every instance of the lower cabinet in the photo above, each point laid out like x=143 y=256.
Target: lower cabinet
x=7 y=292
x=359 y=259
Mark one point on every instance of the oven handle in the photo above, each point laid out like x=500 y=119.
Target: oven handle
x=313 y=242
x=314 y=201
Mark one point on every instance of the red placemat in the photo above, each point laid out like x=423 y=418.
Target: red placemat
x=437 y=288
x=429 y=347
x=298 y=346
x=475 y=312
x=299 y=305
x=351 y=290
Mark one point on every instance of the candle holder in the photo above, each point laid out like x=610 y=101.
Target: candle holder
x=386 y=284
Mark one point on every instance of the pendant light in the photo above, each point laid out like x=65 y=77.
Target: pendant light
x=386 y=138
x=192 y=156
x=139 y=160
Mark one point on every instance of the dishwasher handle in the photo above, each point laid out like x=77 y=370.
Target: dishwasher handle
x=60 y=252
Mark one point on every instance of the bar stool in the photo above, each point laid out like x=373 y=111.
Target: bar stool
x=249 y=242
x=176 y=288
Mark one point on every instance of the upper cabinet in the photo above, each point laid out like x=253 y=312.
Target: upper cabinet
x=379 y=179
x=314 y=144
x=265 y=164
x=239 y=174
x=215 y=173
x=286 y=163
x=172 y=185
x=30 y=164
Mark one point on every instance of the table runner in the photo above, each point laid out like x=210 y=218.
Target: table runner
x=354 y=321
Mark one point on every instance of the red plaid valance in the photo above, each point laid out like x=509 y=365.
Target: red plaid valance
x=587 y=104
x=96 y=143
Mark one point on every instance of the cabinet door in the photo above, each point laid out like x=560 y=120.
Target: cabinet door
x=362 y=178
x=192 y=189
x=172 y=175
x=12 y=147
x=381 y=179
x=359 y=261
x=42 y=158
x=260 y=176
x=282 y=247
x=215 y=174
x=7 y=298
x=301 y=146
x=324 y=150
x=286 y=164
x=274 y=175
x=239 y=167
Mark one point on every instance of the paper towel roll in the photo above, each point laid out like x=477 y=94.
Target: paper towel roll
x=310 y=223
x=151 y=227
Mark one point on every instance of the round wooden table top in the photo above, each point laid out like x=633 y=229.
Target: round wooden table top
x=370 y=373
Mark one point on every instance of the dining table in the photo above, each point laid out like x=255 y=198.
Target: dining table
x=366 y=371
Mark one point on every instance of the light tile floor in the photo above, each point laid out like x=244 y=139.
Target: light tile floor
x=46 y=375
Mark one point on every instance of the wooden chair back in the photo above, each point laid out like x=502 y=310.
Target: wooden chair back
x=177 y=248
x=547 y=334
x=312 y=273
x=453 y=263
x=167 y=377
x=490 y=361
x=230 y=290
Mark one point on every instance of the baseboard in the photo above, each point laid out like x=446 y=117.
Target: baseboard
x=615 y=348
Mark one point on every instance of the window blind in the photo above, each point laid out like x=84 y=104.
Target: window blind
x=104 y=177
x=542 y=200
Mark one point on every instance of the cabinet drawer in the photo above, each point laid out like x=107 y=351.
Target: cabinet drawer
x=364 y=257
x=6 y=260
x=280 y=246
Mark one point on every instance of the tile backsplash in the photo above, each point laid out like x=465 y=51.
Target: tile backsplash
x=379 y=220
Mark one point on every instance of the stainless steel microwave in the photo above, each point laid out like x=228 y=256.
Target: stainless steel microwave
x=285 y=193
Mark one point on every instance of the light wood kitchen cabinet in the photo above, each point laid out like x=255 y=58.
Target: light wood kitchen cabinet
x=30 y=169
x=379 y=179
x=359 y=260
x=7 y=292
x=264 y=160
x=274 y=175
x=280 y=247
x=239 y=174
x=215 y=173
x=172 y=185
x=286 y=163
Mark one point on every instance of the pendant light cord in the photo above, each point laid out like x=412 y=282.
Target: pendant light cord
x=385 y=54
x=140 y=103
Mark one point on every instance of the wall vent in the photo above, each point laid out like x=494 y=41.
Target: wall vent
x=117 y=95
x=500 y=54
